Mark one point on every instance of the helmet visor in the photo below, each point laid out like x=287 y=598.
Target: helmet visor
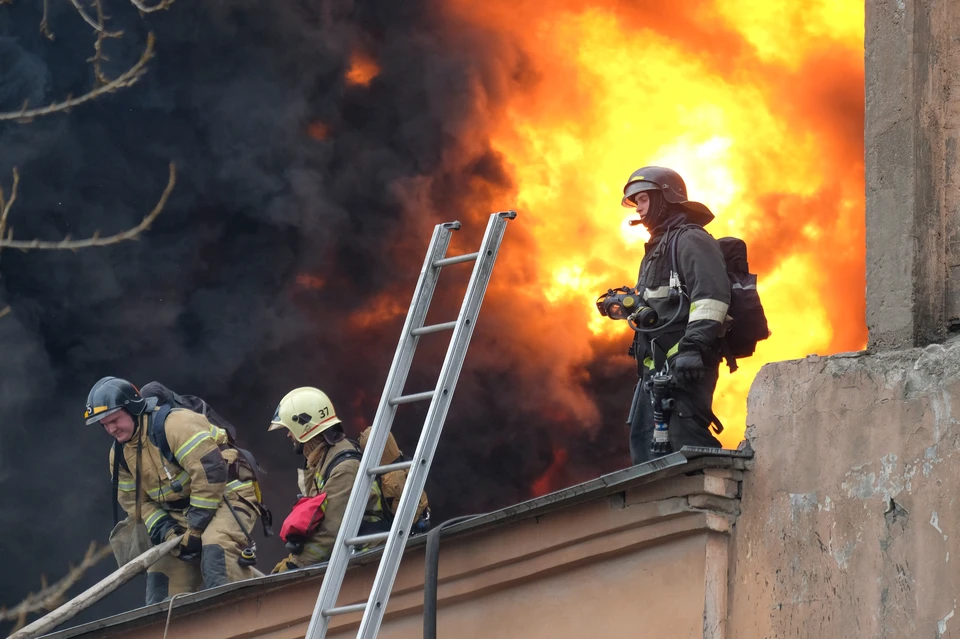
x=276 y=423
x=630 y=192
x=97 y=413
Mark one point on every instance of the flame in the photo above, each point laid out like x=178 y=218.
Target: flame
x=319 y=131
x=362 y=70
x=378 y=310
x=757 y=103
x=552 y=477
x=308 y=282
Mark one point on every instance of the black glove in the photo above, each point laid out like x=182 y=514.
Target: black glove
x=162 y=530
x=688 y=367
x=191 y=546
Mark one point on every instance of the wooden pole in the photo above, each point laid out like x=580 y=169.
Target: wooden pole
x=96 y=592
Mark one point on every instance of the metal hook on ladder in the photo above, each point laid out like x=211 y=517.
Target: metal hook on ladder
x=348 y=539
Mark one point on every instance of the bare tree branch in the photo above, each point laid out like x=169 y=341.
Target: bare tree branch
x=86 y=18
x=67 y=244
x=102 y=34
x=4 y=311
x=5 y=204
x=127 y=79
x=44 y=26
x=49 y=597
x=96 y=24
x=163 y=4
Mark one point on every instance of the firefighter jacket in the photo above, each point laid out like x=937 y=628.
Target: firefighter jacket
x=337 y=484
x=204 y=467
x=701 y=314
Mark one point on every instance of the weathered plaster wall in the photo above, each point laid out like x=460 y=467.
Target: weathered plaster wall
x=912 y=128
x=850 y=523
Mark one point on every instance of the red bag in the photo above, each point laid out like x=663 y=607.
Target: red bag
x=304 y=519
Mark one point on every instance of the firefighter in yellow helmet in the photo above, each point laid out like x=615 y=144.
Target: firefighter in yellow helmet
x=332 y=462
x=179 y=474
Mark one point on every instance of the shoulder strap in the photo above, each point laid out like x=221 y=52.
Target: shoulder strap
x=137 y=511
x=156 y=432
x=339 y=458
x=674 y=241
x=117 y=460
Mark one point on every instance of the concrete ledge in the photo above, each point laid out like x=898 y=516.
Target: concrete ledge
x=630 y=528
x=849 y=516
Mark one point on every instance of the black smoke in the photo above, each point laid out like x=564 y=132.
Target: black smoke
x=212 y=300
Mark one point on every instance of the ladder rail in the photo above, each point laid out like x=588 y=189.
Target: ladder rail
x=396 y=379
x=440 y=398
x=433 y=426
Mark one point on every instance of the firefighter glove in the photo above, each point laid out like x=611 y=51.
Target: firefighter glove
x=688 y=367
x=173 y=531
x=164 y=529
x=190 y=546
x=286 y=564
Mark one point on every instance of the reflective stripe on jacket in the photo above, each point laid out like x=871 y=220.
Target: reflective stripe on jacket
x=702 y=270
x=198 y=470
x=337 y=487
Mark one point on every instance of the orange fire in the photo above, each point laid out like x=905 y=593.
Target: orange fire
x=319 y=131
x=757 y=103
x=552 y=479
x=363 y=69
x=308 y=282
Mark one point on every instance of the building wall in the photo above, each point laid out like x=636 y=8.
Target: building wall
x=606 y=596
x=851 y=518
x=912 y=132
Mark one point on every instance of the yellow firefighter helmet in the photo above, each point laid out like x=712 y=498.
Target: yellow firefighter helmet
x=305 y=412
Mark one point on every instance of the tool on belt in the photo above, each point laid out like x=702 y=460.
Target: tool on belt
x=660 y=387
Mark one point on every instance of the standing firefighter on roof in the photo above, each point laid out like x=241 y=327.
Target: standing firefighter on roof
x=178 y=474
x=682 y=297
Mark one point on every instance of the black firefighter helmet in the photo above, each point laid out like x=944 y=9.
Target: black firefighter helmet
x=672 y=188
x=109 y=395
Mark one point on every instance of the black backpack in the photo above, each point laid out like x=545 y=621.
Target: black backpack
x=749 y=322
x=167 y=400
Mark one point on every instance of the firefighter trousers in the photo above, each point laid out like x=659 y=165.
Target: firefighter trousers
x=223 y=541
x=689 y=422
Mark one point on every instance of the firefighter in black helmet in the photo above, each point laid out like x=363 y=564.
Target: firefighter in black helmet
x=179 y=474
x=683 y=278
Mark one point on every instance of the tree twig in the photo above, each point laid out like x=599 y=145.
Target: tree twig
x=96 y=24
x=102 y=34
x=49 y=597
x=5 y=204
x=44 y=25
x=66 y=244
x=163 y=4
x=127 y=79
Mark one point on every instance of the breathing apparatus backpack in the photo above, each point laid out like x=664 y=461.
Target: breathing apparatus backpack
x=748 y=321
x=390 y=484
x=168 y=400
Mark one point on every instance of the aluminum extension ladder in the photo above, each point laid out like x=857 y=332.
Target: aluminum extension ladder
x=348 y=538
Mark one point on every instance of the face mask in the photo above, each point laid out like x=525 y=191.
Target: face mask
x=652 y=218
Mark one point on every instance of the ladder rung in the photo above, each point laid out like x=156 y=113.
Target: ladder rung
x=457 y=259
x=436 y=328
x=389 y=468
x=366 y=540
x=345 y=610
x=409 y=399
